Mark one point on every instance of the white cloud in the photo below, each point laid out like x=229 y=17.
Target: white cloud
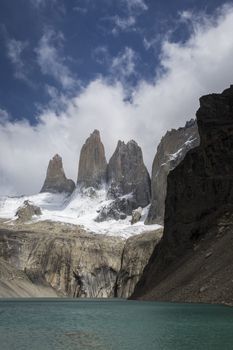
x=51 y=61
x=132 y=9
x=4 y=116
x=122 y=24
x=201 y=65
x=124 y=64
x=79 y=9
x=15 y=49
x=119 y=67
x=40 y=3
x=136 y=5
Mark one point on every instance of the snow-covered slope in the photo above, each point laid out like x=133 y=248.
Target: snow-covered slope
x=79 y=209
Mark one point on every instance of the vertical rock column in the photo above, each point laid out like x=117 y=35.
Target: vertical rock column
x=92 y=162
x=56 y=181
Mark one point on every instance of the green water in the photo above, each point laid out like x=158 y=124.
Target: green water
x=113 y=325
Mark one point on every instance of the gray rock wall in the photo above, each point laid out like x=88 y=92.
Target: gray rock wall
x=170 y=152
x=73 y=262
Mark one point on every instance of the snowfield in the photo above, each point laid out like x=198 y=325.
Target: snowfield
x=78 y=209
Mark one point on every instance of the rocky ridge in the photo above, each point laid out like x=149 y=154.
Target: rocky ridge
x=193 y=261
x=170 y=152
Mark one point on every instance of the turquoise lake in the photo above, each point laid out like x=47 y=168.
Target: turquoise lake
x=113 y=325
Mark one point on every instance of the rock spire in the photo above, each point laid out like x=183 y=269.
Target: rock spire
x=56 y=181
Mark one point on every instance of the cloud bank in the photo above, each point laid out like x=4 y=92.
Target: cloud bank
x=201 y=65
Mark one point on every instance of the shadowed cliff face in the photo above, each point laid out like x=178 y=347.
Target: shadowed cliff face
x=136 y=253
x=64 y=259
x=56 y=181
x=199 y=193
x=92 y=162
x=171 y=151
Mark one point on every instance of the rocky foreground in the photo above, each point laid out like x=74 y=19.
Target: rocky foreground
x=55 y=259
x=194 y=261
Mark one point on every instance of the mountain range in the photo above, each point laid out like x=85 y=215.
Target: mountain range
x=102 y=235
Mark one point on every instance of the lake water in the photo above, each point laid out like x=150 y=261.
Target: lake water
x=113 y=325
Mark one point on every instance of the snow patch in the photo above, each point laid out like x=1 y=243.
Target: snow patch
x=81 y=208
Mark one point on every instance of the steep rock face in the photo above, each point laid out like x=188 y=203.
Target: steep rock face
x=71 y=262
x=92 y=162
x=15 y=283
x=170 y=152
x=128 y=174
x=199 y=194
x=136 y=254
x=56 y=181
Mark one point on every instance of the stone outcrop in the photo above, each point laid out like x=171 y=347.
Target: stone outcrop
x=136 y=254
x=92 y=162
x=170 y=152
x=136 y=215
x=27 y=211
x=69 y=260
x=116 y=210
x=56 y=181
x=194 y=259
x=128 y=174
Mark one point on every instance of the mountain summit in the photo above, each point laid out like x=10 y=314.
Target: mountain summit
x=56 y=181
x=92 y=162
x=127 y=173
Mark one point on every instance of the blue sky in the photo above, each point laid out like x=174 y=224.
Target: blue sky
x=84 y=37
x=130 y=68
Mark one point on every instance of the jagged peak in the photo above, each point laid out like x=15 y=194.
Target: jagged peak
x=228 y=91
x=56 y=180
x=92 y=162
x=56 y=159
x=120 y=144
x=57 y=156
x=129 y=143
x=132 y=142
x=95 y=133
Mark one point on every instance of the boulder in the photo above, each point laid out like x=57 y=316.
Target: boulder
x=136 y=215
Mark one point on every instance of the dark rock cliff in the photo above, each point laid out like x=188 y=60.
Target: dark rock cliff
x=191 y=261
x=56 y=181
x=170 y=152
